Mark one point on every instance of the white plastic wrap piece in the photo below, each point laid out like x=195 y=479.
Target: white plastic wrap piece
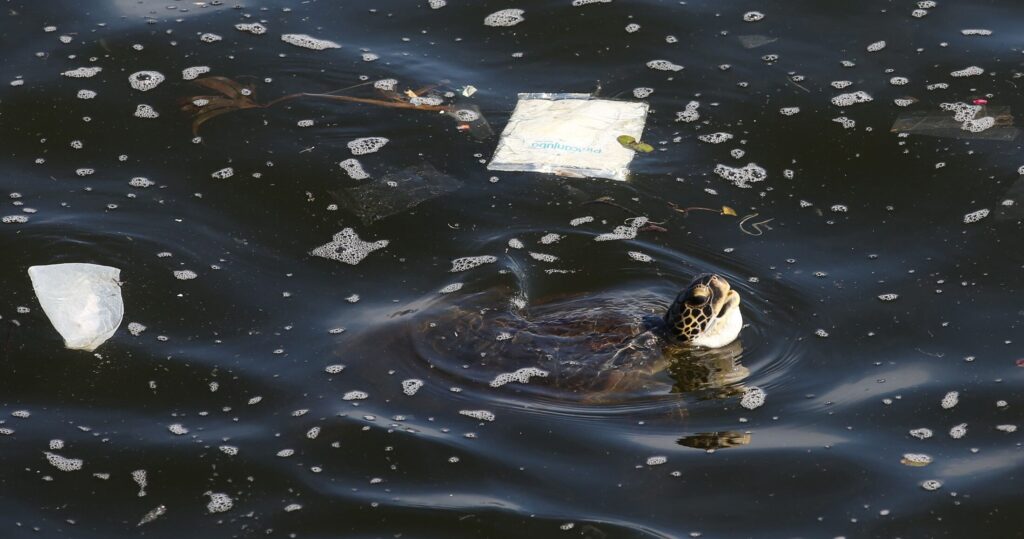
x=571 y=135
x=82 y=301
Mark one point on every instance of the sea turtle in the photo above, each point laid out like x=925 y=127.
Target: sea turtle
x=599 y=347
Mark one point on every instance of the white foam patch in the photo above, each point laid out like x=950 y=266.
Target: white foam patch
x=689 y=114
x=548 y=239
x=86 y=94
x=1006 y=428
x=521 y=376
x=354 y=169
x=223 y=173
x=312 y=433
x=483 y=415
x=753 y=16
x=753 y=397
x=876 y=46
x=578 y=3
x=348 y=248
x=210 y=38
x=219 y=502
x=917 y=459
x=304 y=123
x=931 y=484
x=191 y=73
x=470 y=262
x=285 y=453
x=656 y=460
x=975 y=216
x=466 y=115
x=253 y=28
x=185 y=275
x=950 y=400
x=664 y=65
x=145 y=81
x=140 y=182
x=177 y=429
x=228 y=450
x=334 y=369
x=355 y=396
x=789 y=111
x=139 y=476
x=976 y=32
x=146 y=112
x=978 y=125
x=437 y=4
x=411 y=386
x=958 y=431
x=387 y=85
x=362 y=146
x=309 y=42
x=840 y=84
x=454 y=287
x=515 y=243
x=642 y=93
x=624 y=232
x=640 y=257
x=586 y=219
x=64 y=464
x=715 y=138
x=899 y=81
x=543 y=257
x=505 y=17
x=82 y=72
x=742 y=176
x=845 y=122
x=888 y=297
x=845 y=100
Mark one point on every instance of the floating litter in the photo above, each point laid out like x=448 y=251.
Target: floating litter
x=82 y=301
x=570 y=135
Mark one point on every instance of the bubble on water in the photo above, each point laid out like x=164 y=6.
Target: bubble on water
x=640 y=257
x=624 y=232
x=899 y=81
x=63 y=464
x=521 y=376
x=23 y=414
x=362 y=146
x=845 y=100
x=789 y=111
x=334 y=369
x=845 y=122
x=191 y=73
x=921 y=433
x=543 y=257
x=962 y=112
x=715 y=138
x=632 y=27
x=578 y=3
x=285 y=453
x=975 y=216
x=950 y=400
x=177 y=429
x=370 y=57
x=978 y=125
x=210 y=38
x=937 y=86
x=386 y=85
x=664 y=65
x=470 y=262
x=145 y=81
x=139 y=476
x=309 y=42
x=1006 y=428
x=918 y=13
x=305 y=123
x=355 y=396
x=426 y=100
x=821 y=333
x=840 y=84
x=689 y=114
x=56 y=444
x=86 y=94
x=219 y=502
x=153 y=514
x=82 y=72
x=84 y=171
x=6 y=431
x=968 y=72
x=505 y=17
x=515 y=243
x=976 y=32
x=742 y=176
x=876 y=46
x=888 y=297
x=904 y=101
x=437 y=4
x=146 y=112
x=916 y=459
x=348 y=248
x=14 y=219
x=294 y=506
x=185 y=275
x=411 y=386
x=642 y=93
x=354 y=169
x=483 y=415
x=253 y=28
x=931 y=484
x=588 y=219
x=140 y=182
x=466 y=115
x=926 y=4
x=958 y=431
x=229 y=450
x=255 y=400
x=136 y=329
x=454 y=287
x=753 y=398
x=503 y=336
x=753 y=16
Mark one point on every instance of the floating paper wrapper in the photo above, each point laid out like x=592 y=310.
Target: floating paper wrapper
x=82 y=301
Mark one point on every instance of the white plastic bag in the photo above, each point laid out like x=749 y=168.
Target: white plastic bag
x=82 y=301
x=570 y=135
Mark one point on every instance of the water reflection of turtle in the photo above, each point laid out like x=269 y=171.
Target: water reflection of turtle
x=601 y=347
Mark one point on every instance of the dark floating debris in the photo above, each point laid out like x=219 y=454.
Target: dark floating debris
x=395 y=192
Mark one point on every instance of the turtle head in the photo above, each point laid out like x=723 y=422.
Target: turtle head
x=706 y=313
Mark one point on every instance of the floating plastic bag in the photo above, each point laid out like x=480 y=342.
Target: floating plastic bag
x=82 y=301
x=569 y=135
x=395 y=192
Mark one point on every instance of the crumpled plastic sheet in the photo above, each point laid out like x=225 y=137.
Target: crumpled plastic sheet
x=82 y=301
x=395 y=192
x=943 y=124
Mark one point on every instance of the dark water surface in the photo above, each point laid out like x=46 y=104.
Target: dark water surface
x=238 y=355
